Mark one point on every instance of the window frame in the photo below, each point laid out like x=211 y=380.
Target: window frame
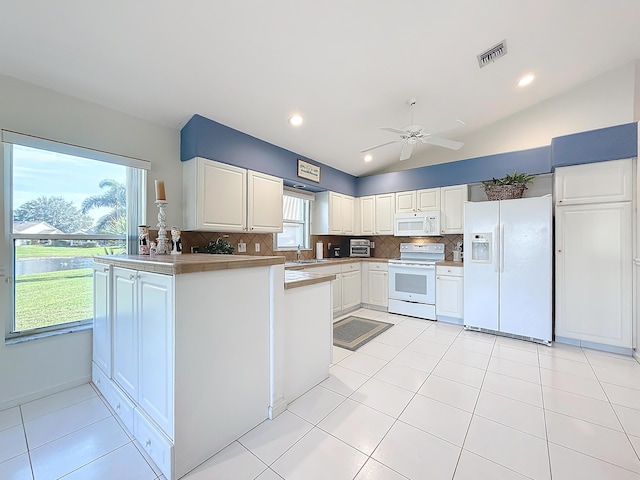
x=308 y=198
x=136 y=180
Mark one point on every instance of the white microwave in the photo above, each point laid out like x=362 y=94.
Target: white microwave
x=417 y=224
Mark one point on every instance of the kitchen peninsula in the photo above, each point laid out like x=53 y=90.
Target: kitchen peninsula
x=189 y=349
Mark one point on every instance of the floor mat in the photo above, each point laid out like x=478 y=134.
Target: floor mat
x=353 y=332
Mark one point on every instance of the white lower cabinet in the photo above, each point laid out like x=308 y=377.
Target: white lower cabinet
x=186 y=378
x=375 y=284
x=351 y=290
x=449 y=293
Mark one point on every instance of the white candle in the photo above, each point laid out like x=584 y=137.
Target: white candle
x=160 y=194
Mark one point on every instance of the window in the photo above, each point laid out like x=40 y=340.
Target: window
x=295 y=224
x=66 y=205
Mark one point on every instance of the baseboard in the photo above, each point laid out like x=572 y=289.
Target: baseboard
x=596 y=346
x=374 y=307
x=277 y=408
x=636 y=355
x=14 y=402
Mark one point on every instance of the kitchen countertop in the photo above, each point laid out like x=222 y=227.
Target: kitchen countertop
x=332 y=261
x=295 y=279
x=188 y=262
x=450 y=263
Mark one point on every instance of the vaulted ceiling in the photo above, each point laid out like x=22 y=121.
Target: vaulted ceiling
x=347 y=67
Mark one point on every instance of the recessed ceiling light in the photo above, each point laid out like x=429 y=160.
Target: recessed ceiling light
x=296 y=120
x=368 y=157
x=526 y=80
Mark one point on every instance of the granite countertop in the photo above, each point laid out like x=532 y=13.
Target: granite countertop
x=295 y=279
x=333 y=261
x=188 y=262
x=450 y=263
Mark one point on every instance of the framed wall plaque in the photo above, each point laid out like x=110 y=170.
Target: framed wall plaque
x=308 y=171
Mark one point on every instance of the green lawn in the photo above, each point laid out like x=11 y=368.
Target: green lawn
x=35 y=251
x=44 y=299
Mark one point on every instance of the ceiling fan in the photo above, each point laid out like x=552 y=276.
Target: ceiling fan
x=411 y=134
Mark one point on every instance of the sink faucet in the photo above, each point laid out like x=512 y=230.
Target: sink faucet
x=298 y=254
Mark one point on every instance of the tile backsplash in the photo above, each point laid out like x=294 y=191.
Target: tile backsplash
x=386 y=246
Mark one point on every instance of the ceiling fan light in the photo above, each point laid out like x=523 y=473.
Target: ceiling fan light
x=526 y=80
x=296 y=120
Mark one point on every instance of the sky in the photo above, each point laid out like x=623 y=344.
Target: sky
x=39 y=173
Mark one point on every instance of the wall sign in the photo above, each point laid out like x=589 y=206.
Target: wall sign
x=309 y=171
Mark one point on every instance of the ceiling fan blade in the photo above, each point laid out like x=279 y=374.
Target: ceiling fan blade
x=378 y=146
x=448 y=126
x=395 y=130
x=407 y=150
x=443 y=142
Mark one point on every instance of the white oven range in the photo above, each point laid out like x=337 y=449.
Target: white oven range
x=412 y=280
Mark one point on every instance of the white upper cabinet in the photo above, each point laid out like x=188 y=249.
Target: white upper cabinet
x=428 y=199
x=332 y=214
x=406 y=202
x=224 y=198
x=601 y=182
x=264 y=213
x=384 y=211
x=367 y=215
x=418 y=200
x=452 y=200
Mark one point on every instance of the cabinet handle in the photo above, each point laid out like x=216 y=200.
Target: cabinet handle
x=105 y=269
x=118 y=407
x=560 y=250
x=132 y=276
x=148 y=442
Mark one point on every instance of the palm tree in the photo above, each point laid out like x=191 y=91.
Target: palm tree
x=115 y=198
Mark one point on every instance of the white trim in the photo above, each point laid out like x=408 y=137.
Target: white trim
x=294 y=192
x=16 y=138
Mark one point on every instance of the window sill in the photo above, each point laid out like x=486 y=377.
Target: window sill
x=38 y=336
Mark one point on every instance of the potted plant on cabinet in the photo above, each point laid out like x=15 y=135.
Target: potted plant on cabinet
x=511 y=186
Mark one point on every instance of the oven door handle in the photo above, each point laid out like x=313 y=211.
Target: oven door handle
x=412 y=265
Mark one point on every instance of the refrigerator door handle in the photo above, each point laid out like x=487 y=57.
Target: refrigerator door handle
x=496 y=249
x=501 y=247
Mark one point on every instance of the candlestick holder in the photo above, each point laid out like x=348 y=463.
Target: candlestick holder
x=163 y=247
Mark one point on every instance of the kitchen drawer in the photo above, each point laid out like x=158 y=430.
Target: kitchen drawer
x=350 y=267
x=100 y=380
x=378 y=266
x=157 y=446
x=448 y=270
x=325 y=269
x=122 y=406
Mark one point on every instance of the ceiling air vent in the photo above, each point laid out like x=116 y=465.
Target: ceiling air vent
x=494 y=53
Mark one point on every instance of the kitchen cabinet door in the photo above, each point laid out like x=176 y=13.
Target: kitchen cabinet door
x=428 y=199
x=155 y=321
x=337 y=293
x=264 y=200
x=384 y=211
x=406 y=202
x=367 y=215
x=348 y=206
x=594 y=273
x=214 y=196
x=602 y=182
x=351 y=290
x=335 y=213
x=378 y=288
x=452 y=200
x=125 y=330
x=102 y=317
x=449 y=295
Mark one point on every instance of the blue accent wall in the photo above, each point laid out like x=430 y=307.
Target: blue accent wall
x=533 y=161
x=202 y=137
x=611 y=143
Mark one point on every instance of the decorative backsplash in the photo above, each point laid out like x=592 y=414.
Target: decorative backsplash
x=386 y=246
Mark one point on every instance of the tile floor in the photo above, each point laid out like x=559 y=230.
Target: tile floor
x=424 y=400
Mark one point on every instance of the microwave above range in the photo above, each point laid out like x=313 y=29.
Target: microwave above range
x=418 y=224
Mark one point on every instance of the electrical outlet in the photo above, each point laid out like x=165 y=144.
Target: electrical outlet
x=373 y=244
x=257 y=247
x=242 y=247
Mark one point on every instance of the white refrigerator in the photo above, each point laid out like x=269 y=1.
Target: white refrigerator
x=508 y=267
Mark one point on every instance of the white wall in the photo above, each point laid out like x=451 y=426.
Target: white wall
x=604 y=101
x=30 y=369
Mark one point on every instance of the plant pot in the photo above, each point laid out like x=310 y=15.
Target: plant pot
x=504 y=192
